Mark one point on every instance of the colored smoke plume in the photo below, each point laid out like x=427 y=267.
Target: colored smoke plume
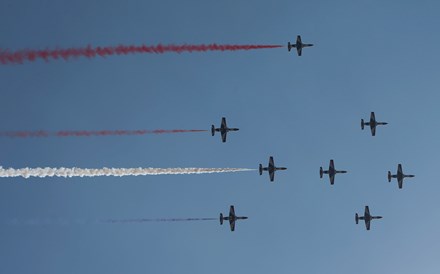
x=18 y=57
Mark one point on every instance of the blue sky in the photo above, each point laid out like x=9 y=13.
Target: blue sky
x=373 y=56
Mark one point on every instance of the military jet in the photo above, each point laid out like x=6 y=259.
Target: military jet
x=367 y=218
x=298 y=45
x=399 y=176
x=271 y=169
x=223 y=129
x=331 y=172
x=373 y=123
x=231 y=218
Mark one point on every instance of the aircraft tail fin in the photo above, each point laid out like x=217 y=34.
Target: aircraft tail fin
x=357 y=218
x=212 y=130
x=260 y=169
x=289 y=46
x=321 y=172
x=389 y=176
x=362 y=124
x=221 y=218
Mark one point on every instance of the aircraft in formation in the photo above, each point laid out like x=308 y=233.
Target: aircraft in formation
x=367 y=218
x=399 y=176
x=223 y=129
x=271 y=169
x=373 y=123
x=231 y=218
x=298 y=45
x=331 y=172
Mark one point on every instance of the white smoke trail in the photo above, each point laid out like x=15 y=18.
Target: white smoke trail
x=69 y=222
x=118 y=172
x=143 y=220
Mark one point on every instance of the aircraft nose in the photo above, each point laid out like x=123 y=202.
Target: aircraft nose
x=244 y=218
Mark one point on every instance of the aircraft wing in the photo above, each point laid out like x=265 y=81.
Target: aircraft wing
x=367 y=224
x=272 y=175
x=373 y=130
x=232 y=224
x=223 y=125
x=332 y=179
x=399 y=169
x=332 y=165
x=372 y=117
x=400 y=182
x=271 y=162
x=299 y=50
x=367 y=211
x=298 y=39
x=231 y=211
x=224 y=133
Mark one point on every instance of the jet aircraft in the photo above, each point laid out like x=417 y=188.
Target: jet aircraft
x=271 y=169
x=331 y=172
x=223 y=129
x=399 y=176
x=298 y=45
x=373 y=123
x=367 y=218
x=231 y=218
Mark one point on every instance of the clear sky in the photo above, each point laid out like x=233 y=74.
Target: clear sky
x=368 y=56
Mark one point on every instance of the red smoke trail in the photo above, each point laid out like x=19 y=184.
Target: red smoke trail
x=9 y=57
x=113 y=221
x=87 y=133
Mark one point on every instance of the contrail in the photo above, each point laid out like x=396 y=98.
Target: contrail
x=18 y=57
x=88 y=133
x=118 y=172
x=113 y=221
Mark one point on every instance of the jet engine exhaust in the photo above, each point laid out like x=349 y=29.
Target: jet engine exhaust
x=19 y=56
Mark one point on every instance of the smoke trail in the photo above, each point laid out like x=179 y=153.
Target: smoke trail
x=118 y=172
x=18 y=57
x=114 y=221
x=47 y=222
x=88 y=133
x=65 y=222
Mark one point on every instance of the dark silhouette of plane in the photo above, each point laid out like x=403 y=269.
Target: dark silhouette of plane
x=298 y=45
x=223 y=129
x=373 y=123
x=271 y=169
x=231 y=218
x=331 y=172
x=367 y=218
x=399 y=176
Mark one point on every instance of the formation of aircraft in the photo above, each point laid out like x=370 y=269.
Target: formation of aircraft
x=271 y=168
x=367 y=218
x=299 y=45
x=223 y=129
x=231 y=218
x=399 y=176
x=373 y=123
x=331 y=172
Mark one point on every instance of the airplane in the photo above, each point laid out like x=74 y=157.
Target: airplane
x=373 y=123
x=231 y=218
x=367 y=218
x=331 y=172
x=298 y=45
x=399 y=176
x=271 y=169
x=223 y=129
